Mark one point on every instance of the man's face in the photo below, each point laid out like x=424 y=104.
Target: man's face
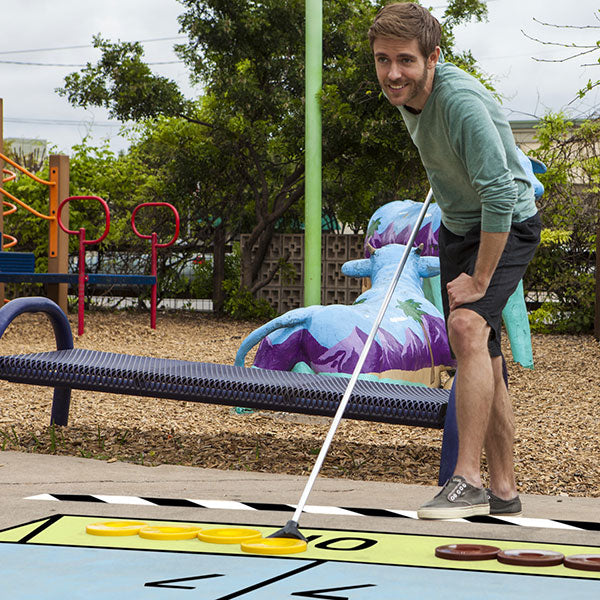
x=405 y=76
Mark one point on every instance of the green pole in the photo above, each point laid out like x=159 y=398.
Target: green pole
x=312 y=211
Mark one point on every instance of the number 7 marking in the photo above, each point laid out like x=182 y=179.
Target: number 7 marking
x=166 y=582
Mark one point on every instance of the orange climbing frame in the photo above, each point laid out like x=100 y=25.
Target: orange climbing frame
x=53 y=185
x=57 y=241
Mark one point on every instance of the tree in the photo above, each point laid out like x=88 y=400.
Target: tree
x=249 y=59
x=576 y=50
x=212 y=207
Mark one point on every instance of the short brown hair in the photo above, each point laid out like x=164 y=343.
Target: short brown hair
x=407 y=21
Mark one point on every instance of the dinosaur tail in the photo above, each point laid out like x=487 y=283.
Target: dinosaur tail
x=292 y=318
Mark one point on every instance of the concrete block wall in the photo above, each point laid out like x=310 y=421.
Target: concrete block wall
x=336 y=288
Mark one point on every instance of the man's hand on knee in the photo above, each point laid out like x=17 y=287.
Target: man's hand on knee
x=464 y=289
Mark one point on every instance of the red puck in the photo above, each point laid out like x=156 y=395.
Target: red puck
x=466 y=552
x=530 y=558
x=583 y=562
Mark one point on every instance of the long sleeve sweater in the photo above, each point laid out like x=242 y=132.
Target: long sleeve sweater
x=469 y=153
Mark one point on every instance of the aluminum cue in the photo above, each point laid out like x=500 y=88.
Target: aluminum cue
x=361 y=359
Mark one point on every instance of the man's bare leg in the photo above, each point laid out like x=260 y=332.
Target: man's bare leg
x=499 y=439
x=463 y=495
x=468 y=333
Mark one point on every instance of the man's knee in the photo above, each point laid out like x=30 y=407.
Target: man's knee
x=468 y=331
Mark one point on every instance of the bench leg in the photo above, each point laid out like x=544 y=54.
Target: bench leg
x=450 y=439
x=60 y=406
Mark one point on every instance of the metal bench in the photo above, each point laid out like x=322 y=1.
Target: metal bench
x=68 y=368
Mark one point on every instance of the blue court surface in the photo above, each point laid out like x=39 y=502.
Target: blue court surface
x=55 y=558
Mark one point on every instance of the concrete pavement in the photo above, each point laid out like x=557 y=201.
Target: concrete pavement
x=25 y=475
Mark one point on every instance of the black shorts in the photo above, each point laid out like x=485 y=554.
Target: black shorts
x=458 y=254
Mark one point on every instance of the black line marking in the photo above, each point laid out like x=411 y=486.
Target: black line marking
x=178 y=502
x=166 y=582
x=43 y=519
x=488 y=520
x=42 y=527
x=275 y=579
x=311 y=593
x=267 y=506
x=373 y=512
x=324 y=529
x=587 y=525
x=77 y=498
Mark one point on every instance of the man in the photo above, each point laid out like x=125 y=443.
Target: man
x=490 y=230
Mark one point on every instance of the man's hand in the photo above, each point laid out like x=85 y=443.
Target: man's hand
x=466 y=288
x=463 y=289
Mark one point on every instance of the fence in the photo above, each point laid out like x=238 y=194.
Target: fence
x=336 y=288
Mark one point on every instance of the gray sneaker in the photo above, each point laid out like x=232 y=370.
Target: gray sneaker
x=505 y=508
x=457 y=499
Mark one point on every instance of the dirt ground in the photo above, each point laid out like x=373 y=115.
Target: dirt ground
x=557 y=408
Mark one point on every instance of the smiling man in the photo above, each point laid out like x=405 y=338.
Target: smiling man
x=490 y=230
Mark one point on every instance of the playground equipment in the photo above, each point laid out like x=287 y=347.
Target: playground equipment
x=58 y=248
x=19 y=267
x=411 y=344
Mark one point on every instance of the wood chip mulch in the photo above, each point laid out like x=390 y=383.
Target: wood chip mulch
x=557 y=409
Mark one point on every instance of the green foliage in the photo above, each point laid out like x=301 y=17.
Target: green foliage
x=123 y=84
x=241 y=304
x=562 y=274
x=201 y=284
x=565 y=282
x=202 y=278
x=239 y=301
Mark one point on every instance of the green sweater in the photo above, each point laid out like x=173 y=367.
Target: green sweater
x=468 y=150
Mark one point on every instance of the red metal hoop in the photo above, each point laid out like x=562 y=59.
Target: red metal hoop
x=149 y=237
x=71 y=232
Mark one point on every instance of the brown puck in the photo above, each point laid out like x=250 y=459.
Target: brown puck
x=583 y=562
x=530 y=558
x=466 y=552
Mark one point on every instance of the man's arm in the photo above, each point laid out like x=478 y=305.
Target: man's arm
x=466 y=288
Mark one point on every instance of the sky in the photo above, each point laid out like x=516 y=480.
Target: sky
x=39 y=38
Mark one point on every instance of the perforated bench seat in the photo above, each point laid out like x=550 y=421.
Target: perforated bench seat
x=68 y=368
x=227 y=385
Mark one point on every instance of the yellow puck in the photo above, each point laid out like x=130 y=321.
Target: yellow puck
x=115 y=528
x=183 y=532
x=275 y=546
x=230 y=535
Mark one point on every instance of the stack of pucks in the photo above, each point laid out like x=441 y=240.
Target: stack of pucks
x=169 y=532
x=115 y=528
x=467 y=552
x=530 y=558
x=583 y=562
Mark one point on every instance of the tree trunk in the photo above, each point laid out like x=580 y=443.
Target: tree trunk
x=218 y=296
x=253 y=256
